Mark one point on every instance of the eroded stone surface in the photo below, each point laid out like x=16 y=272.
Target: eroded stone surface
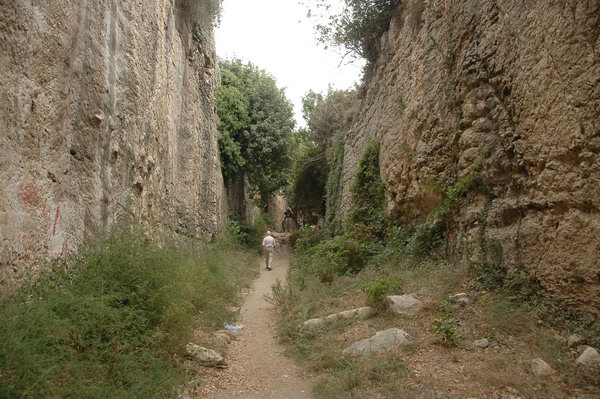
x=589 y=357
x=320 y=323
x=106 y=112
x=453 y=93
x=384 y=341
x=403 y=304
x=540 y=368
x=204 y=356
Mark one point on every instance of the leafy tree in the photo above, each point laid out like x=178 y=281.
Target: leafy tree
x=256 y=124
x=357 y=27
x=326 y=115
x=233 y=108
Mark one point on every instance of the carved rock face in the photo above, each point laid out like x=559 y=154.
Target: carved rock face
x=107 y=111
x=477 y=84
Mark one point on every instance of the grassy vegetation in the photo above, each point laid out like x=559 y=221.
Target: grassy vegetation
x=113 y=322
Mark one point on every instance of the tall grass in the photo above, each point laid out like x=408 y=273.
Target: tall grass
x=112 y=323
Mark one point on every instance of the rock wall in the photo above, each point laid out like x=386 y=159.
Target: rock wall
x=509 y=90
x=107 y=111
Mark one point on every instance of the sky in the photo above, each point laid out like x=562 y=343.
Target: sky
x=276 y=36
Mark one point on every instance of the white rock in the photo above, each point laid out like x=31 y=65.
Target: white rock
x=384 y=341
x=574 y=340
x=403 y=304
x=204 y=356
x=332 y=318
x=456 y=297
x=359 y=313
x=540 y=368
x=314 y=324
x=482 y=343
x=462 y=302
x=363 y=313
x=589 y=357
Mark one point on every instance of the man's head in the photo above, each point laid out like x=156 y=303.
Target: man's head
x=268 y=233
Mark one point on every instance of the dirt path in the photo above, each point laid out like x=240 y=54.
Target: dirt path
x=257 y=367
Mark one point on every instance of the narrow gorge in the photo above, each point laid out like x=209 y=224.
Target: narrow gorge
x=437 y=223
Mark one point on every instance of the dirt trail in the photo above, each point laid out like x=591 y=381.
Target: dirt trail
x=257 y=367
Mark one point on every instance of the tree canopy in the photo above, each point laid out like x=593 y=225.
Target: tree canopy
x=356 y=28
x=256 y=125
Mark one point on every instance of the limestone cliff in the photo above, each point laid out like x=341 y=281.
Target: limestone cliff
x=107 y=110
x=509 y=90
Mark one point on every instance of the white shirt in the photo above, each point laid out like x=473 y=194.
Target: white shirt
x=268 y=242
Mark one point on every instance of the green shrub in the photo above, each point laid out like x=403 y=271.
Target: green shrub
x=109 y=324
x=368 y=191
x=470 y=183
x=305 y=238
x=334 y=185
x=376 y=291
x=249 y=235
x=446 y=325
x=426 y=238
x=344 y=254
x=448 y=329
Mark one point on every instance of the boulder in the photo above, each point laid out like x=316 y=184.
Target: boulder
x=204 y=356
x=589 y=357
x=481 y=343
x=540 y=368
x=403 y=304
x=314 y=324
x=384 y=341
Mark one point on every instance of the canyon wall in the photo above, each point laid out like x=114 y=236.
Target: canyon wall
x=107 y=112
x=507 y=93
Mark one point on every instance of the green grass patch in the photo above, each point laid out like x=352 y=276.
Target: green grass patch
x=113 y=322
x=376 y=291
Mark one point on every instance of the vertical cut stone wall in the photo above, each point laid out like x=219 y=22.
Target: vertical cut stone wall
x=511 y=88
x=107 y=109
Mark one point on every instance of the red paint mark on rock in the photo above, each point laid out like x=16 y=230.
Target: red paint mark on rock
x=57 y=218
x=29 y=195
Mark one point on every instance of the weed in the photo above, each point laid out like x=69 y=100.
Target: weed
x=282 y=297
x=446 y=325
x=306 y=238
x=376 y=291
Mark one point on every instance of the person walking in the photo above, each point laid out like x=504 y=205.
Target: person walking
x=288 y=220
x=268 y=245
